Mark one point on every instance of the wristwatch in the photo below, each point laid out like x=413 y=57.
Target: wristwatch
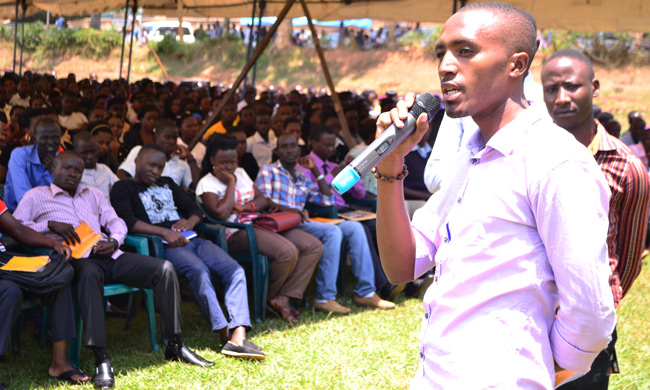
x=191 y=160
x=116 y=245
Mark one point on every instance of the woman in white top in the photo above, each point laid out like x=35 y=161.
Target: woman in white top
x=226 y=191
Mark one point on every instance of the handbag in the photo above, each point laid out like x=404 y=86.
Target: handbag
x=55 y=275
x=278 y=222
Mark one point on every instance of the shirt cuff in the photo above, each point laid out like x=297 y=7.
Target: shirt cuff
x=568 y=356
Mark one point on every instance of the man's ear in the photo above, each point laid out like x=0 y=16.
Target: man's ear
x=518 y=65
x=595 y=84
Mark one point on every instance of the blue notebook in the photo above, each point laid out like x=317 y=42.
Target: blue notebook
x=189 y=234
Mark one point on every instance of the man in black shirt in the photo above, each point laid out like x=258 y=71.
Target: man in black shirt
x=151 y=204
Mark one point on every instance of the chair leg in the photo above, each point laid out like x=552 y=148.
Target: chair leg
x=260 y=285
x=151 y=314
x=130 y=311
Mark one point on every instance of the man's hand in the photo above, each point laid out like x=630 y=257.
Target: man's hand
x=182 y=152
x=306 y=162
x=175 y=239
x=104 y=248
x=343 y=164
x=64 y=230
x=182 y=225
x=48 y=159
x=63 y=249
x=392 y=165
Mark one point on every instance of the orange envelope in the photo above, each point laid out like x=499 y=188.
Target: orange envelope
x=27 y=264
x=88 y=239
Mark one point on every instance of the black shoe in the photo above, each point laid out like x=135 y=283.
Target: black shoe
x=104 y=378
x=242 y=351
x=418 y=286
x=390 y=292
x=186 y=355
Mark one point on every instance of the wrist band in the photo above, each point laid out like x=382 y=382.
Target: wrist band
x=252 y=206
x=320 y=177
x=401 y=176
x=190 y=160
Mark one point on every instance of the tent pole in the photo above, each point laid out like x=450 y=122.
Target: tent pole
x=15 y=36
x=133 y=12
x=22 y=39
x=126 y=15
x=249 y=64
x=328 y=77
x=257 y=38
x=250 y=43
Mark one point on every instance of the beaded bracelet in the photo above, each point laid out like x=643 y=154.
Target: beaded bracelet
x=401 y=176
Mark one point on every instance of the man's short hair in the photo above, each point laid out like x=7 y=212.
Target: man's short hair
x=45 y=123
x=64 y=154
x=150 y=147
x=573 y=54
x=317 y=132
x=165 y=125
x=289 y=121
x=519 y=29
x=82 y=136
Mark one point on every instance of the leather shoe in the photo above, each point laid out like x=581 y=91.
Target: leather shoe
x=331 y=306
x=390 y=292
x=184 y=354
x=374 y=301
x=104 y=378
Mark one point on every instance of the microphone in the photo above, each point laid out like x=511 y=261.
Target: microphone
x=384 y=144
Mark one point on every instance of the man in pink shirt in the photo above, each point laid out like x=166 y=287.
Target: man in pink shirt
x=518 y=234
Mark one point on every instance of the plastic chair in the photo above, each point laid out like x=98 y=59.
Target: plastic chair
x=258 y=263
x=141 y=246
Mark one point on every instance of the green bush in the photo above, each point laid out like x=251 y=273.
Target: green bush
x=85 y=42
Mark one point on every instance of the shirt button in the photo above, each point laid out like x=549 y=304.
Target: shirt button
x=421 y=355
x=426 y=316
x=459 y=200
x=445 y=240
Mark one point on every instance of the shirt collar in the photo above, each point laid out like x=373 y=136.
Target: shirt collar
x=56 y=190
x=33 y=155
x=505 y=139
x=317 y=160
x=422 y=150
x=600 y=142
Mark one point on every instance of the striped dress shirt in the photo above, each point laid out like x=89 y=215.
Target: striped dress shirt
x=628 y=208
x=50 y=203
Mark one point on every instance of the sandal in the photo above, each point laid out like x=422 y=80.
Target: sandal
x=67 y=377
x=286 y=313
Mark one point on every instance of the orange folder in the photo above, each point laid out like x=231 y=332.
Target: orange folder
x=88 y=239
x=27 y=264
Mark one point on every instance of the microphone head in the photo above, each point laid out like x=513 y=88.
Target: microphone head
x=346 y=179
x=425 y=103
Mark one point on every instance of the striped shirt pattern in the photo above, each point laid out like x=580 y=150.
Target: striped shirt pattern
x=628 y=209
x=50 y=203
x=276 y=184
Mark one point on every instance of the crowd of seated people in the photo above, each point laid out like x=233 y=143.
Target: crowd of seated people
x=117 y=156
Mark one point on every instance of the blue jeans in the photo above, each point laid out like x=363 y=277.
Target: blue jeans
x=353 y=237
x=201 y=260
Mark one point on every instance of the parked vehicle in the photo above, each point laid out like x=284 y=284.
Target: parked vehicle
x=156 y=31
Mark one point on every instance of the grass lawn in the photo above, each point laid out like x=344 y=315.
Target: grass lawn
x=367 y=349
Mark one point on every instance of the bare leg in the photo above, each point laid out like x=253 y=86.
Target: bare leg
x=60 y=363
